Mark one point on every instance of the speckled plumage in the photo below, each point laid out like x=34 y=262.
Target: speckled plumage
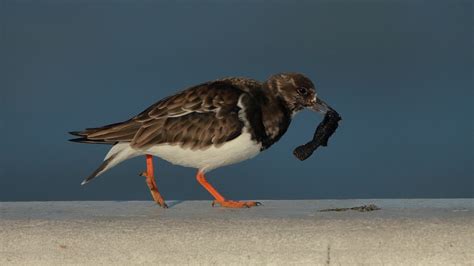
x=209 y=115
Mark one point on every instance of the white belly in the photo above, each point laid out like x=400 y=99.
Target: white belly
x=234 y=151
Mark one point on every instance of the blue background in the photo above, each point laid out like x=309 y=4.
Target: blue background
x=399 y=72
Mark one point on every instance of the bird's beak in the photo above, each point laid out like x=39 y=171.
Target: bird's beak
x=320 y=106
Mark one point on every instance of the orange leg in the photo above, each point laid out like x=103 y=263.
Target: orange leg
x=150 y=181
x=219 y=199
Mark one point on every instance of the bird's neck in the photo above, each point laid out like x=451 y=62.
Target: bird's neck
x=275 y=113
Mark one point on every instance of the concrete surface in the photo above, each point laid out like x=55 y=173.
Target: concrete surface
x=422 y=232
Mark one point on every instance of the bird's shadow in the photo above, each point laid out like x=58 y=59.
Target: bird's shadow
x=173 y=203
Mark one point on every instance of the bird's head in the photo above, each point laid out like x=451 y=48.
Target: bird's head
x=297 y=91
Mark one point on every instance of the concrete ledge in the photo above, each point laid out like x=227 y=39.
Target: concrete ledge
x=280 y=232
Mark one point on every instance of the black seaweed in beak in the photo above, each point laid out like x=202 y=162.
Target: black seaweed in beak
x=324 y=131
x=320 y=106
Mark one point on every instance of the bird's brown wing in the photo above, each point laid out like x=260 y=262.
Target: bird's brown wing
x=204 y=115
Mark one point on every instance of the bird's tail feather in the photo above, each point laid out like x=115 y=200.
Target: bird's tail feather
x=109 y=134
x=119 y=153
x=102 y=168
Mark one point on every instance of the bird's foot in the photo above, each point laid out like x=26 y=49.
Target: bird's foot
x=150 y=181
x=236 y=204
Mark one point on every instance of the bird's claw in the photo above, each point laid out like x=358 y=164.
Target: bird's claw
x=150 y=181
x=236 y=204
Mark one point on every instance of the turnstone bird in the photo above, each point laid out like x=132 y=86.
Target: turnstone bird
x=207 y=126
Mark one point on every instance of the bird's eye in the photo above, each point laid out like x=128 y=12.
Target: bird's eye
x=302 y=91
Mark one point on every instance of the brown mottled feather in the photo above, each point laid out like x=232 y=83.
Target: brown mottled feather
x=196 y=118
